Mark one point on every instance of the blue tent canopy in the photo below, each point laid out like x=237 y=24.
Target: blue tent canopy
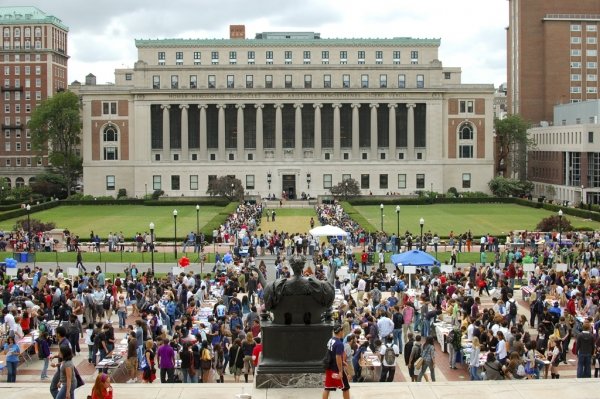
x=415 y=258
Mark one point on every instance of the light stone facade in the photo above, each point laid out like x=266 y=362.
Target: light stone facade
x=289 y=113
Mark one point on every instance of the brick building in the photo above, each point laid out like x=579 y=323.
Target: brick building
x=33 y=66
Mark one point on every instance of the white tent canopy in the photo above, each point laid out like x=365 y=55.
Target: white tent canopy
x=327 y=231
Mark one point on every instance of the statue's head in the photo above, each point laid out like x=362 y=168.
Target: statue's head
x=297 y=262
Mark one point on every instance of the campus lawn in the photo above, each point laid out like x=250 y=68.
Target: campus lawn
x=130 y=219
x=291 y=220
x=117 y=257
x=496 y=219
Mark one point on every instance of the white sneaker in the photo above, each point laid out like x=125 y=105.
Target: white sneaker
x=131 y=381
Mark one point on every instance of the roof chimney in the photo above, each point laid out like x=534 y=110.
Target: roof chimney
x=237 y=31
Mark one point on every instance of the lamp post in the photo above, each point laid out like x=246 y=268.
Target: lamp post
x=421 y=223
x=308 y=180
x=232 y=190
x=152 y=245
x=28 y=207
x=197 y=219
x=175 y=219
x=397 y=228
x=346 y=191
x=582 y=202
x=560 y=214
x=269 y=180
x=381 y=230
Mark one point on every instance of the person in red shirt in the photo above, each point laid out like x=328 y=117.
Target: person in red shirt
x=255 y=328
x=571 y=306
x=257 y=351
x=364 y=258
x=102 y=388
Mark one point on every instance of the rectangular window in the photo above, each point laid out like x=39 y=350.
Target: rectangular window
x=111 y=153
x=343 y=57
x=591 y=28
x=414 y=57
x=327 y=81
x=591 y=40
x=214 y=56
x=401 y=81
x=249 y=182
x=575 y=64
x=156 y=182
x=110 y=182
x=591 y=53
x=325 y=55
x=465 y=151
x=161 y=58
x=327 y=181
x=17 y=146
x=249 y=81
x=230 y=81
x=396 y=57
x=306 y=55
x=575 y=40
x=364 y=81
x=592 y=64
x=575 y=28
x=288 y=81
x=420 y=81
x=466 y=180
x=420 y=180
x=156 y=82
x=251 y=56
x=197 y=58
x=383 y=181
x=346 y=81
x=174 y=81
x=575 y=90
x=233 y=57
x=378 y=55
x=288 y=57
x=269 y=57
x=38 y=70
x=128 y=76
x=179 y=58
x=361 y=55
x=307 y=81
x=212 y=81
x=590 y=137
x=447 y=75
x=591 y=77
x=382 y=81
x=269 y=81
x=364 y=182
x=175 y=182
x=193 y=81
x=109 y=108
x=401 y=180
x=193 y=182
x=575 y=77
x=575 y=52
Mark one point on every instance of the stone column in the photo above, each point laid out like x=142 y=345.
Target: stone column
x=260 y=152
x=317 y=145
x=355 y=132
x=410 y=132
x=336 y=131
x=298 y=154
x=166 y=133
x=240 y=131
x=278 y=132
x=184 y=132
x=374 y=131
x=203 y=147
x=392 y=132
x=221 y=132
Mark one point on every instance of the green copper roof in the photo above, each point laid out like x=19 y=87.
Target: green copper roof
x=396 y=41
x=20 y=15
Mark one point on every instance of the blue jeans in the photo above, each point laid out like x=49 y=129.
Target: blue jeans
x=397 y=333
x=122 y=318
x=426 y=365
x=11 y=370
x=584 y=365
x=45 y=368
x=425 y=328
x=474 y=373
x=62 y=393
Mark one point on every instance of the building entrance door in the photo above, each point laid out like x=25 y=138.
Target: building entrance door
x=289 y=186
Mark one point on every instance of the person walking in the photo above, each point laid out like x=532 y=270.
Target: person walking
x=388 y=352
x=585 y=350
x=67 y=379
x=335 y=375
x=79 y=263
x=428 y=359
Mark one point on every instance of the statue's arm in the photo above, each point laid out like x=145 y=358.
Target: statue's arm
x=332 y=271
x=261 y=276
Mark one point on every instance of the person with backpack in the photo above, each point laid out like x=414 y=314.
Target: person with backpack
x=454 y=345
x=511 y=305
x=44 y=353
x=415 y=354
x=388 y=352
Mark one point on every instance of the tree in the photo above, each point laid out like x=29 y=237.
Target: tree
x=56 y=127
x=504 y=187
x=554 y=223
x=511 y=134
x=346 y=188
x=226 y=186
x=50 y=185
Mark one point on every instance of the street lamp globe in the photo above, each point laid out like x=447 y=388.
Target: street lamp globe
x=397 y=208
x=421 y=222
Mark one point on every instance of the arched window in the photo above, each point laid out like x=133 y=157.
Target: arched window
x=17 y=32
x=7 y=183
x=110 y=134
x=466 y=136
x=27 y=32
x=31 y=181
x=19 y=182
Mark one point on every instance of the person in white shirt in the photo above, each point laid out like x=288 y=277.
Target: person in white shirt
x=470 y=330
x=388 y=369
x=501 y=348
x=385 y=325
x=362 y=284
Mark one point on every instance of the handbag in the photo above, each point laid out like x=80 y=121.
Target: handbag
x=233 y=369
x=418 y=363
x=78 y=378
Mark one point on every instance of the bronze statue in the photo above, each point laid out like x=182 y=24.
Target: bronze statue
x=322 y=293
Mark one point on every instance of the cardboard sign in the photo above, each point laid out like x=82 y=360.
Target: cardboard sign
x=11 y=271
x=528 y=267
x=446 y=269
x=177 y=271
x=73 y=271
x=410 y=269
x=561 y=267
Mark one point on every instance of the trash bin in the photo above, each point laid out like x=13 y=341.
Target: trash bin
x=30 y=257
x=22 y=257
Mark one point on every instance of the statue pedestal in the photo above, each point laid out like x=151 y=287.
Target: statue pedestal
x=292 y=355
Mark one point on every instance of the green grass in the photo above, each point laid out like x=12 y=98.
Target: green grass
x=130 y=219
x=496 y=219
x=115 y=257
x=291 y=220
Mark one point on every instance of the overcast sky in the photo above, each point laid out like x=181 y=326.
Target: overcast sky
x=102 y=32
